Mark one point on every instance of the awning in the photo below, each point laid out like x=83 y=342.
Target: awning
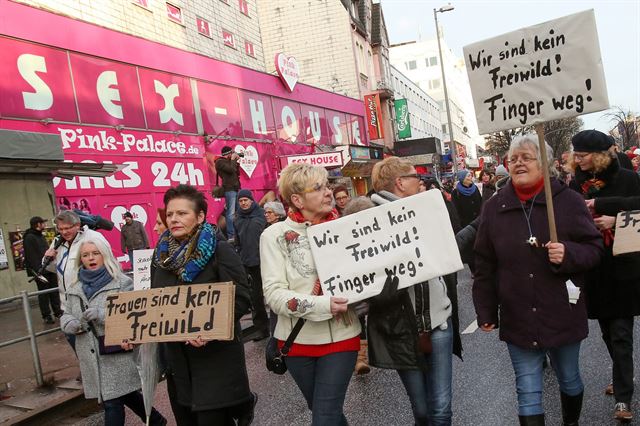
x=358 y=168
x=30 y=145
x=58 y=168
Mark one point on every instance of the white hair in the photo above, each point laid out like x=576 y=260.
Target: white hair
x=530 y=140
x=110 y=262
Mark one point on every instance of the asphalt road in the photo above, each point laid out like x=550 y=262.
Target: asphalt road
x=483 y=386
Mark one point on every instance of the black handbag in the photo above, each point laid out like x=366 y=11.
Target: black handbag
x=276 y=358
x=102 y=348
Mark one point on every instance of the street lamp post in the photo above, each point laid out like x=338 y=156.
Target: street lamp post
x=452 y=143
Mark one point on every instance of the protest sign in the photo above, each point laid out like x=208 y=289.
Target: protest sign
x=411 y=237
x=142 y=269
x=171 y=314
x=627 y=238
x=544 y=72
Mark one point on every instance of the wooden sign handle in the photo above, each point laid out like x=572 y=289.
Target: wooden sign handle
x=547 y=183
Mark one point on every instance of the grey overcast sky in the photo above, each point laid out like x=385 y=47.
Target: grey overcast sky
x=618 y=23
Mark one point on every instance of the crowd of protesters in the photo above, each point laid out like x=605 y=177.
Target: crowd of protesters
x=523 y=287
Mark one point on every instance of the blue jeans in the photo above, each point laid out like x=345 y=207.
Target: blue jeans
x=114 y=410
x=324 y=382
x=130 y=253
x=430 y=391
x=527 y=365
x=230 y=199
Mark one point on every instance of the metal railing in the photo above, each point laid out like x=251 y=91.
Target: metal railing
x=32 y=336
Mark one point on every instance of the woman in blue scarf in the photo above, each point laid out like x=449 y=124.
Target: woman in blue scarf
x=466 y=197
x=111 y=376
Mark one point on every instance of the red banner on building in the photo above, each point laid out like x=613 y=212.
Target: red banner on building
x=374 y=115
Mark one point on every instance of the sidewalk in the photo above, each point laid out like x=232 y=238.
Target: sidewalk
x=19 y=392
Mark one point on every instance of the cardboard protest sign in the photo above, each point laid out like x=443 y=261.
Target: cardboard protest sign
x=544 y=72
x=142 y=269
x=171 y=314
x=411 y=237
x=627 y=238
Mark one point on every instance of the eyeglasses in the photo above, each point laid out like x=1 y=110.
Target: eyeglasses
x=581 y=157
x=526 y=159
x=412 y=175
x=318 y=187
x=269 y=212
x=344 y=197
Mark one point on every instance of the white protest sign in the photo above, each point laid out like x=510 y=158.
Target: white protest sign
x=544 y=72
x=411 y=237
x=142 y=269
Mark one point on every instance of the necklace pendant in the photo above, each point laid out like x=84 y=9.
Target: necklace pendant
x=533 y=241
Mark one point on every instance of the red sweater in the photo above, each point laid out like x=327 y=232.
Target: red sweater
x=298 y=349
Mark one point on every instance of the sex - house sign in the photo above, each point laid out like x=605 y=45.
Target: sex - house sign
x=412 y=238
x=544 y=72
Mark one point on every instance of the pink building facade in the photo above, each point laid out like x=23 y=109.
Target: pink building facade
x=162 y=112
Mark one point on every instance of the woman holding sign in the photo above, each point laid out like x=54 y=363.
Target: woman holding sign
x=108 y=373
x=207 y=380
x=532 y=285
x=613 y=289
x=323 y=355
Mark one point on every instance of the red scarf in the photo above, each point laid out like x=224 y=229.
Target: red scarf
x=528 y=193
x=589 y=189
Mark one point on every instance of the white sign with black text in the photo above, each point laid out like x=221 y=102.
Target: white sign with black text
x=544 y=72
x=142 y=269
x=411 y=238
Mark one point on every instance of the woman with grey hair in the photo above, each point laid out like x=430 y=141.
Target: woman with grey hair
x=527 y=285
x=108 y=374
x=274 y=212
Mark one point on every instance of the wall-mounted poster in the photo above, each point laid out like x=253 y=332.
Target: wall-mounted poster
x=4 y=261
x=17 y=247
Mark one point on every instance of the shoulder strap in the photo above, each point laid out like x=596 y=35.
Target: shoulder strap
x=292 y=336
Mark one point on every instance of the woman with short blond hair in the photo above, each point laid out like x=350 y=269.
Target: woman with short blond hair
x=323 y=355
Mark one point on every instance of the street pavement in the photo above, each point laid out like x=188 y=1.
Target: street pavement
x=483 y=386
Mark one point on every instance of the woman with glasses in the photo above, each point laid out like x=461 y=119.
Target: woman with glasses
x=613 y=289
x=323 y=355
x=342 y=197
x=274 y=212
x=529 y=287
x=466 y=198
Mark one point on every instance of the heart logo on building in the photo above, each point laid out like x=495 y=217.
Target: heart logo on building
x=288 y=70
x=138 y=212
x=249 y=162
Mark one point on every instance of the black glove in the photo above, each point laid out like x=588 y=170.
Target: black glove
x=389 y=292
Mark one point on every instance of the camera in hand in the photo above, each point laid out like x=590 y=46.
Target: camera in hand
x=240 y=154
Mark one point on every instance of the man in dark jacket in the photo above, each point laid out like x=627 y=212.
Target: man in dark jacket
x=132 y=236
x=228 y=170
x=34 y=247
x=249 y=224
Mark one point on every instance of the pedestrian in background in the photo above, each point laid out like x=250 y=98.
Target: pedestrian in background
x=249 y=224
x=613 y=288
x=525 y=286
x=466 y=197
x=342 y=197
x=207 y=381
x=401 y=323
x=228 y=168
x=108 y=374
x=488 y=185
x=161 y=222
x=35 y=245
x=322 y=358
x=274 y=212
x=132 y=236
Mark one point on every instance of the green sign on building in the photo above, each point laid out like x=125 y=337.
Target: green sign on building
x=402 y=118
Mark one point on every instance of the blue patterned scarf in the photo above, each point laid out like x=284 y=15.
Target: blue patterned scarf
x=188 y=258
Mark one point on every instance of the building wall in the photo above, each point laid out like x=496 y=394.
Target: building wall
x=152 y=23
x=424 y=112
x=420 y=62
x=318 y=34
x=22 y=197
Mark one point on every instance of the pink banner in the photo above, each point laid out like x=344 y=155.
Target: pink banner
x=257 y=115
x=219 y=110
x=107 y=92
x=356 y=126
x=314 y=125
x=36 y=82
x=338 y=129
x=288 y=121
x=168 y=103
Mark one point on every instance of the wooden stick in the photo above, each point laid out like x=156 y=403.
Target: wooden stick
x=547 y=183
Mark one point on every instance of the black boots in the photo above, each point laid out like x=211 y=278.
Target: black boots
x=537 y=420
x=571 y=407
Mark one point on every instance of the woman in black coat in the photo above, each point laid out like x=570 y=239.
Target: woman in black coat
x=613 y=289
x=207 y=380
x=466 y=198
x=522 y=285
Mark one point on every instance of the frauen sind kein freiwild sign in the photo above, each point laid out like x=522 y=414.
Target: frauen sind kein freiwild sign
x=544 y=72
x=411 y=238
x=171 y=314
